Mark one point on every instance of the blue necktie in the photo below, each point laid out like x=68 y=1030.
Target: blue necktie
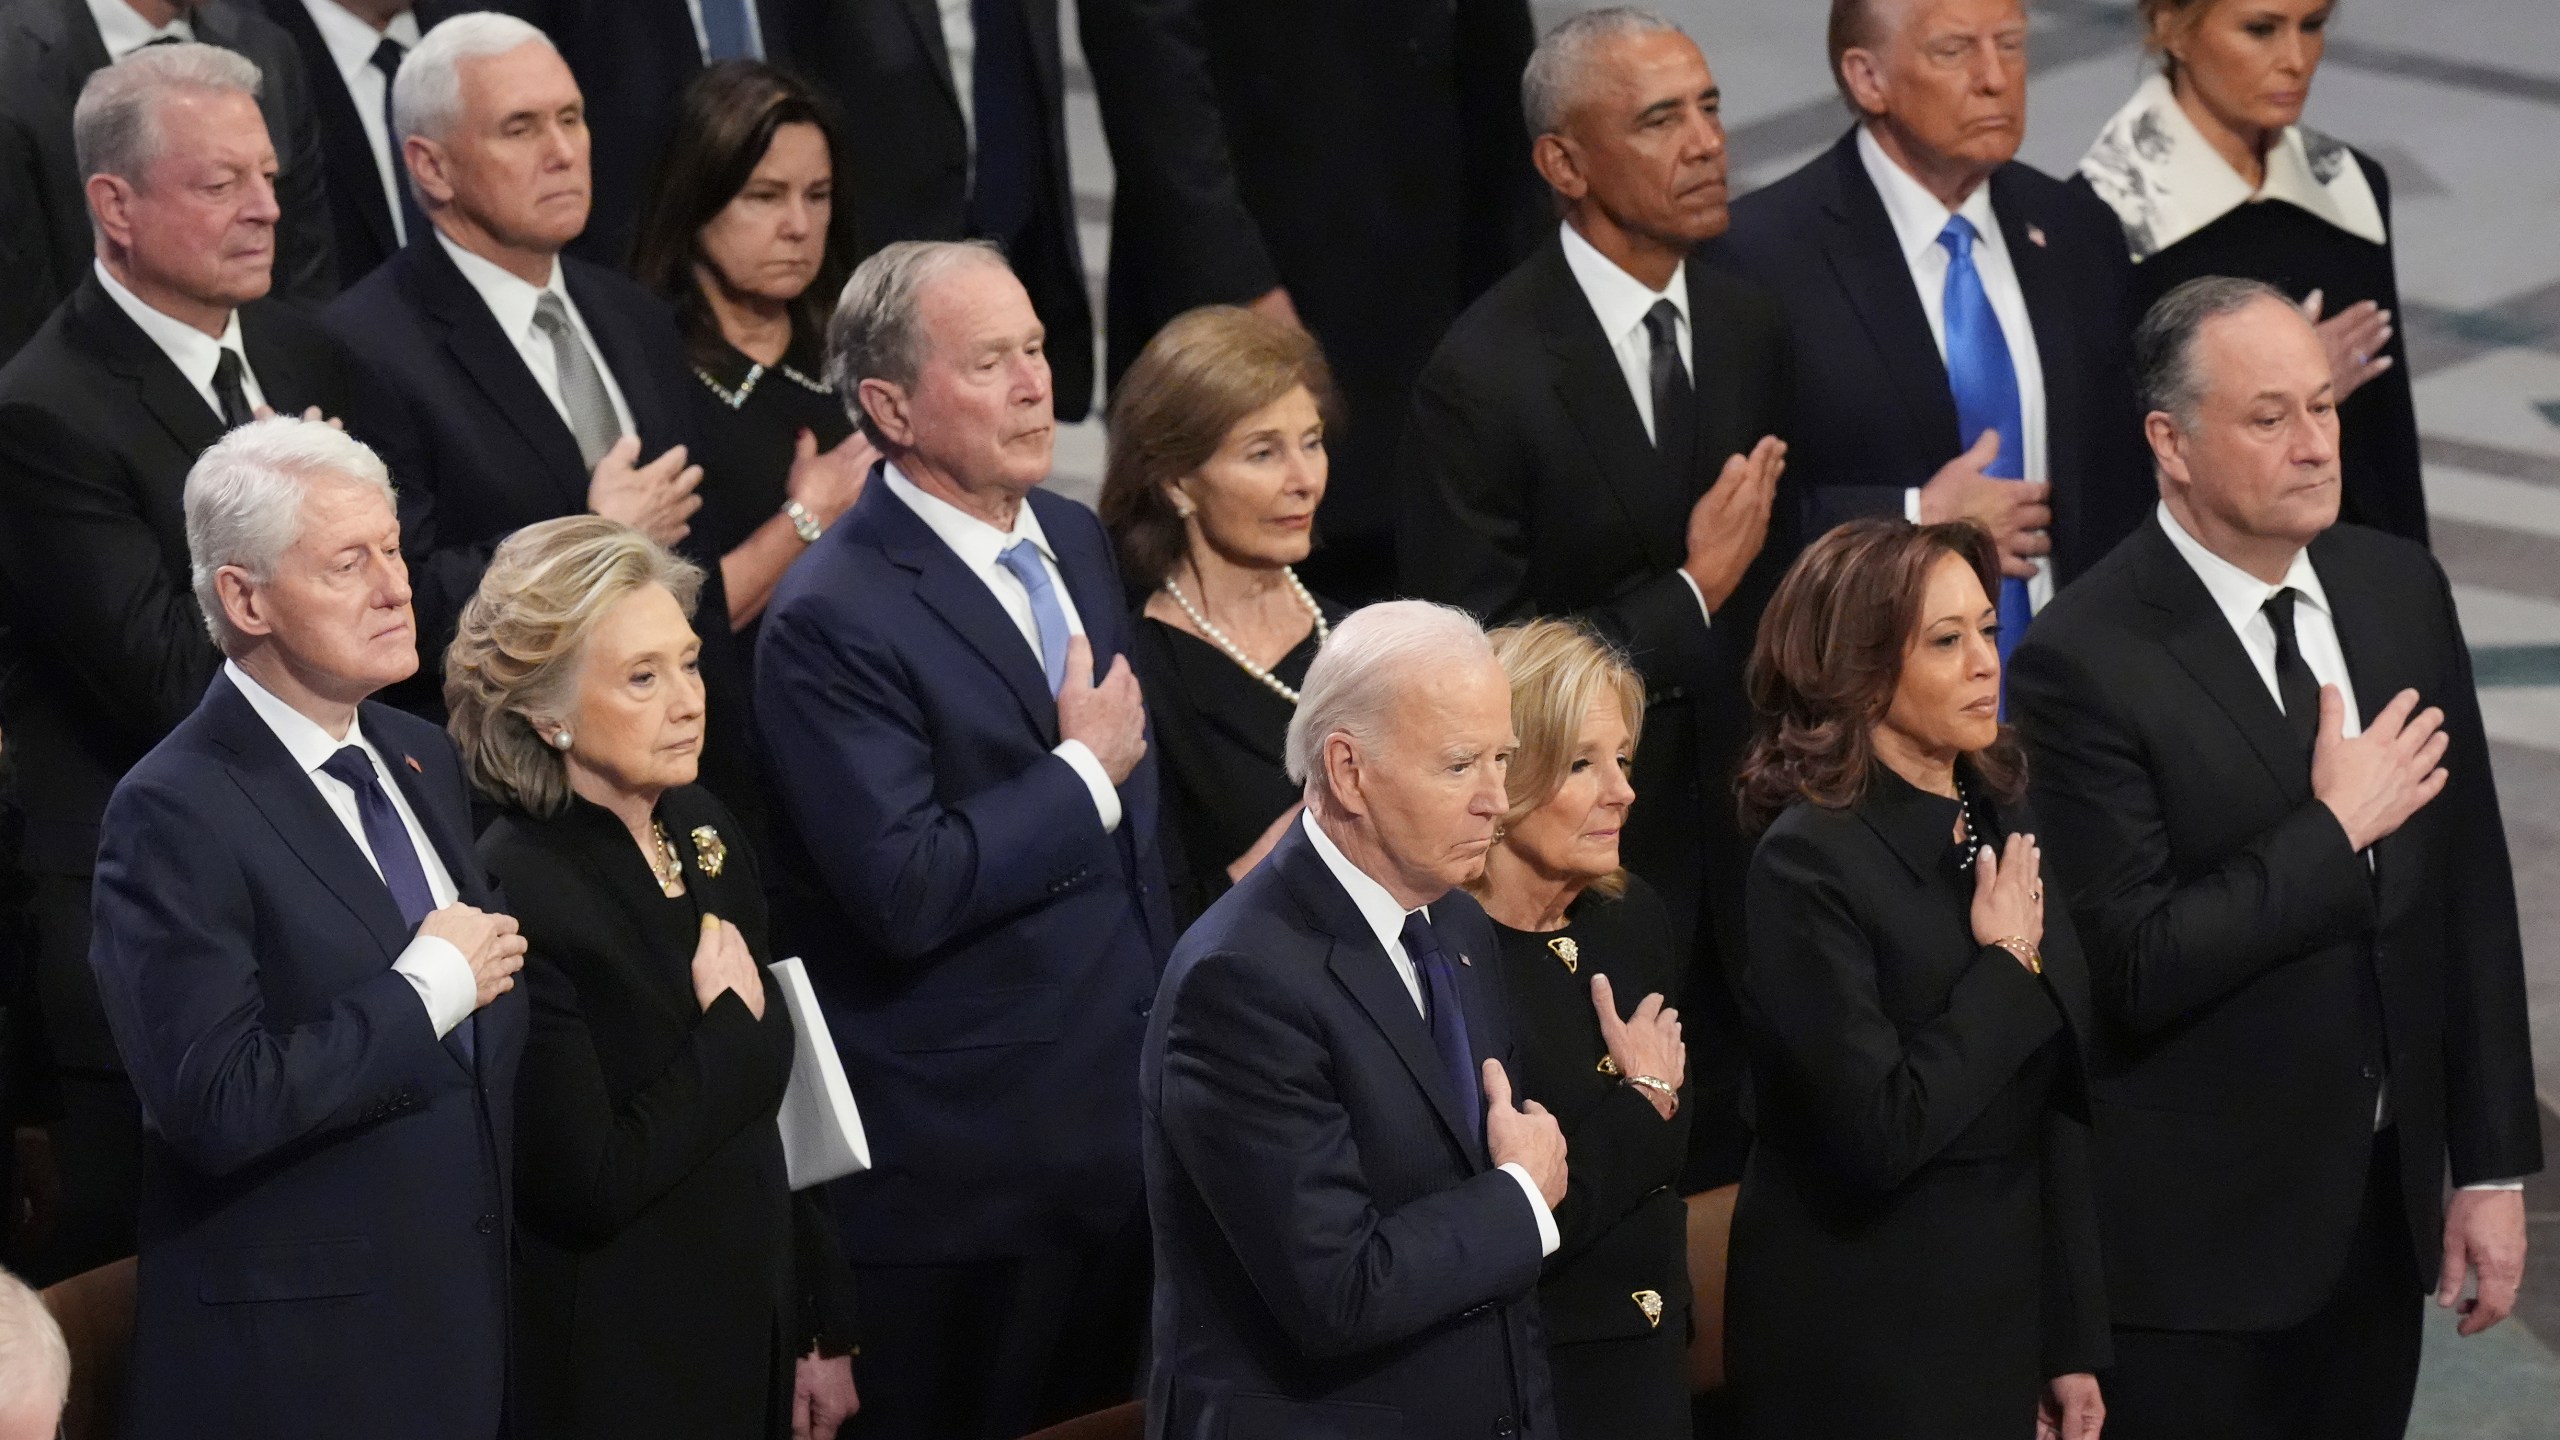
x=1448 y=1016
x=726 y=31
x=1985 y=383
x=392 y=851
x=1023 y=559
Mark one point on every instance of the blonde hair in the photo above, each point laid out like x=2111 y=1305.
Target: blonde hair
x=1559 y=669
x=516 y=653
x=1200 y=377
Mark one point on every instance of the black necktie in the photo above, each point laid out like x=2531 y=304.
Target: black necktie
x=1448 y=1017
x=1675 y=401
x=386 y=58
x=231 y=395
x=2294 y=683
x=1011 y=148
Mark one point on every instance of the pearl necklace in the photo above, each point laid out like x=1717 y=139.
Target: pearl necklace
x=1234 y=651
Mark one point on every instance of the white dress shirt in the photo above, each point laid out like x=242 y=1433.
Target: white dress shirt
x=432 y=965
x=960 y=42
x=1918 y=219
x=352 y=42
x=512 y=302
x=125 y=31
x=195 y=353
x=1386 y=919
x=979 y=546
x=702 y=33
x=1621 y=301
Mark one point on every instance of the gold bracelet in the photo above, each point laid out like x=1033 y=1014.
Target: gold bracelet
x=2028 y=955
x=1659 y=1086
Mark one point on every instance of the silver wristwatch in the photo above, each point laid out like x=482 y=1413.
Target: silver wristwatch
x=803 y=524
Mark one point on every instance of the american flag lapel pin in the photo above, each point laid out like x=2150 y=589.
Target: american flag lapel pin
x=2035 y=236
x=413 y=764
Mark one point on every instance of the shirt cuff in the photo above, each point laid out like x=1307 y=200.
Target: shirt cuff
x=443 y=980
x=1692 y=582
x=1548 y=1239
x=1911 y=504
x=1106 y=797
x=2493 y=1185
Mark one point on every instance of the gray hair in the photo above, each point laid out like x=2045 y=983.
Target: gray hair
x=33 y=1359
x=877 y=332
x=115 y=126
x=1559 y=70
x=2164 y=344
x=426 y=96
x=244 y=501
x=1373 y=658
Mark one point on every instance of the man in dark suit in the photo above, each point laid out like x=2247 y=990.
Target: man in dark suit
x=1350 y=1213
x=982 y=902
x=166 y=341
x=2294 y=893
x=1594 y=438
x=298 y=952
x=1939 y=294
x=48 y=49
x=350 y=49
x=530 y=383
x=1363 y=169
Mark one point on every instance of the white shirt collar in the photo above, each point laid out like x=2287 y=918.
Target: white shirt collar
x=125 y=31
x=1618 y=298
x=510 y=300
x=1376 y=906
x=2239 y=595
x=977 y=543
x=195 y=353
x=352 y=40
x=308 y=744
x=2165 y=181
x=1919 y=217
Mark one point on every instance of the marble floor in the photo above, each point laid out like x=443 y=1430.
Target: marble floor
x=2460 y=100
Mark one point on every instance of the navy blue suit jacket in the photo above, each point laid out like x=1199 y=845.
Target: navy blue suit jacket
x=985 y=952
x=1872 y=412
x=1335 y=1253
x=325 y=1211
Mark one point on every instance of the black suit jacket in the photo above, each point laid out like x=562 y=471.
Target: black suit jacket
x=360 y=225
x=1335 y=1252
x=2255 y=979
x=1873 y=415
x=97 y=432
x=325 y=1207
x=48 y=50
x=1529 y=489
x=668 y=1276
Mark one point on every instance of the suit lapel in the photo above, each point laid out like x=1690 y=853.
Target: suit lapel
x=289 y=387
x=2049 y=313
x=347 y=151
x=626 y=354
x=1593 y=388
x=963 y=602
x=267 y=774
x=2380 y=671
x=927 y=20
x=485 y=354
x=125 y=350
x=2202 y=641
x=1864 y=253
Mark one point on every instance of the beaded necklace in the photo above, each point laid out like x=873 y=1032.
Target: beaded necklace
x=1234 y=651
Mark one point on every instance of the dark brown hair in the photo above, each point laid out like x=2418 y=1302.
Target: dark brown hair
x=725 y=122
x=1202 y=374
x=1830 y=656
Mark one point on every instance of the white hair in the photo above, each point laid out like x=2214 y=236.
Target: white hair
x=1559 y=70
x=115 y=126
x=33 y=1359
x=426 y=96
x=244 y=501
x=1374 y=657
x=877 y=331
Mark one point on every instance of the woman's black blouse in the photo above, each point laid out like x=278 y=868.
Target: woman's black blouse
x=750 y=417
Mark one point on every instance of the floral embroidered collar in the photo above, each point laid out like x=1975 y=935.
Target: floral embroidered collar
x=2165 y=181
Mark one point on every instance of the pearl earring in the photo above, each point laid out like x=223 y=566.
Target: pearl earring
x=560 y=741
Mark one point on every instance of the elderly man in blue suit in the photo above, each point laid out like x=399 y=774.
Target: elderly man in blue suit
x=306 y=977
x=1350 y=1213
x=944 y=696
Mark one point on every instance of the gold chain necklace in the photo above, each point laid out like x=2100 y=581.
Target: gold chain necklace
x=664 y=866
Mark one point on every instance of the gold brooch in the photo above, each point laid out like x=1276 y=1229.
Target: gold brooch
x=1650 y=1302
x=1607 y=1066
x=1568 y=952
x=709 y=851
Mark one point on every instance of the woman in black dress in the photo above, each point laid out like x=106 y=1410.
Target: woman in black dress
x=741 y=234
x=668 y=1282
x=1216 y=466
x=2211 y=171
x=1588 y=957
x=1915 y=1244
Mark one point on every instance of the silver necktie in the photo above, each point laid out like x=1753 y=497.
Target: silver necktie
x=591 y=417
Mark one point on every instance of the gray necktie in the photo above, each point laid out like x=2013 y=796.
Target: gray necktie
x=591 y=417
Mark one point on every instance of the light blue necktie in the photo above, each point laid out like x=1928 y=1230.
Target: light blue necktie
x=1985 y=383
x=726 y=31
x=1023 y=559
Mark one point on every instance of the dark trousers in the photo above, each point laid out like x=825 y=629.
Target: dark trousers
x=995 y=1349
x=97 y=1141
x=2347 y=1373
